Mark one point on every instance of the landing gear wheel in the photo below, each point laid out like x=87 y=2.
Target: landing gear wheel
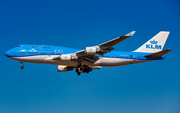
x=78 y=71
x=86 y=69
x=22 y=67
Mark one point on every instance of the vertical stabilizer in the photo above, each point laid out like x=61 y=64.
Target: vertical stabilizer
x=155 y=44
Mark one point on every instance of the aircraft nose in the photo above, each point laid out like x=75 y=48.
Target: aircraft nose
x=6 y=53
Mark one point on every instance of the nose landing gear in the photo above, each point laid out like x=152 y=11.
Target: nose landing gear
x=22 y=67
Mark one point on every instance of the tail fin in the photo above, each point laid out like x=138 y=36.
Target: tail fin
x=155 y=44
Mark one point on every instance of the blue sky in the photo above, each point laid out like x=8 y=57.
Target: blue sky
x=140 y=88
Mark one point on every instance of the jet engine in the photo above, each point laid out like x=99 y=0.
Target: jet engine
x=62 y=68
x=67 y=57
x=91 y=50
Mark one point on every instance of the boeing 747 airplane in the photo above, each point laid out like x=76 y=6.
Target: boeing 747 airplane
x=90 y=58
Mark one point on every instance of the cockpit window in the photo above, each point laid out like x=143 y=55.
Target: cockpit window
x=18 y=46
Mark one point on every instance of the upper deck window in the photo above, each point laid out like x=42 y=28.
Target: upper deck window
x=47 y=47
x=32 y=46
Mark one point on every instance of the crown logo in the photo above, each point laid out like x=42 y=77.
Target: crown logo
x=153 y=42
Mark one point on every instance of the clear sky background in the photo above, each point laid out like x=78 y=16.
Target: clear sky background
x=152 y=87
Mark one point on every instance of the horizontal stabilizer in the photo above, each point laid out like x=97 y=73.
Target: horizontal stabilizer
x=157 y=54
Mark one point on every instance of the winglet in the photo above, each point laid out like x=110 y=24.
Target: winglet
x=131 y=33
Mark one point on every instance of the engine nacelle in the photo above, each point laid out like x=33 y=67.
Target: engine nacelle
x=91 y=50
x=67 y=57
x=61 y=68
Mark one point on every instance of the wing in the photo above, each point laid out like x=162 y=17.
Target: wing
x=86 y=58
x=107 y=46
x=88 y=55
x=117 y=40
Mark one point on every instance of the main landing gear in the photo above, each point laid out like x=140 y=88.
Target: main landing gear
x=82 y=69
x=22 y=67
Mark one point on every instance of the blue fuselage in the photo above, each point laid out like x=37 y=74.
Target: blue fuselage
x=28 y=53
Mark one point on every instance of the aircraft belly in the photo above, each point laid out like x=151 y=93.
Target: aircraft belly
x=44 y=59
x=114 y=61
x=47 y=59
x=34 y=59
